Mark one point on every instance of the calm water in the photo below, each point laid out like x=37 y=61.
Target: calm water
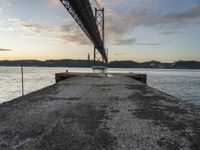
x=184 y=84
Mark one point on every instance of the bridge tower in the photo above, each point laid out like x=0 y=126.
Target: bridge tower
x=100 y=21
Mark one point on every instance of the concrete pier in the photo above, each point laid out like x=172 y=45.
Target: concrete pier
x=91 y=112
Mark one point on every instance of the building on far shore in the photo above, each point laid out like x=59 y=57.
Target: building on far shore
x=88 y=56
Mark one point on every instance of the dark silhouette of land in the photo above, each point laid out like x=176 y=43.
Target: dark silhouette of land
x=112 y=64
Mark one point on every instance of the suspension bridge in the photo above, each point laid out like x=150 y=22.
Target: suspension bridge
x=91 y=23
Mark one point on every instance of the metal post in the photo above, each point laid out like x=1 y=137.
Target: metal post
x=103 y=27
x=22 y=75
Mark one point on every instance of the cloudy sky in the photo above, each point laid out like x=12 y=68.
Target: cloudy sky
x=140 y=30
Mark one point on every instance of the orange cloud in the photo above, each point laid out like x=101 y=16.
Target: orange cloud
x=55 y=2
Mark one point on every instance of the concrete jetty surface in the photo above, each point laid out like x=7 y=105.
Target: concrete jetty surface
x=99 y=113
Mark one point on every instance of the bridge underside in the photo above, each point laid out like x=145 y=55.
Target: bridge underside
x=83 y=14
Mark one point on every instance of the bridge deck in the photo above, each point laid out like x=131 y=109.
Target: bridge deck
x=90 y=112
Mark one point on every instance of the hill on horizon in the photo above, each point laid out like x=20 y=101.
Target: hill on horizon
x=113 y=64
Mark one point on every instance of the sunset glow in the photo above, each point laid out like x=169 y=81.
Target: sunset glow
x=139 y=30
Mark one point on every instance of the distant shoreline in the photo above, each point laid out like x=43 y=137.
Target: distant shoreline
x=112 y=64
x=108 y=67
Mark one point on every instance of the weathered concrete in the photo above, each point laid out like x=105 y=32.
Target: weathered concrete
x=99 y=113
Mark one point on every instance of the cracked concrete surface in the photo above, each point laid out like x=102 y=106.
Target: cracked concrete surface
x=101 y=113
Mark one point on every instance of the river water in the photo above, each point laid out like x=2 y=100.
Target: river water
x=182 y=83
